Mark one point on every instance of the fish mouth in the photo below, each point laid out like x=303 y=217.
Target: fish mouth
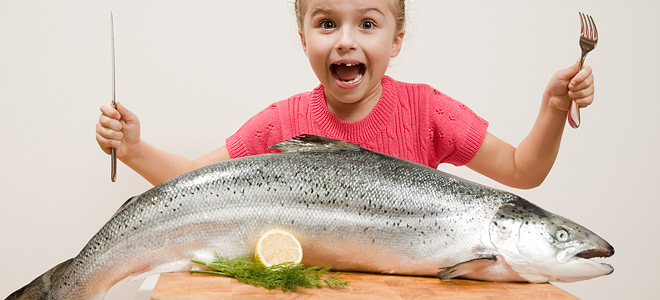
x=592 y=255
x=605 y=251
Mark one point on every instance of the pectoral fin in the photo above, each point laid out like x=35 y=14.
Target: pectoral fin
x=467 y=267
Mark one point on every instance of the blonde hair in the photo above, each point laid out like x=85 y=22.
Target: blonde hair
x=398 y=10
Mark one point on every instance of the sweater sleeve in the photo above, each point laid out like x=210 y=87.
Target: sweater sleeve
x=457 y=132
x=257 y=134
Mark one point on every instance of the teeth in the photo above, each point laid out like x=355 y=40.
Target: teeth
x=356 y=79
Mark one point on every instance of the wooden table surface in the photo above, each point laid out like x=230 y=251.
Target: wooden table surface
x=183 y=285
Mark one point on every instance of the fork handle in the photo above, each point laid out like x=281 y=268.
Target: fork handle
x=574 y=109
x=574 y=115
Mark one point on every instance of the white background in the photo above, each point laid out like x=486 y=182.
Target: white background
x=194 y=71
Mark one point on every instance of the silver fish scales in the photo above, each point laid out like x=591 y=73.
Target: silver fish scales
x=350 y=208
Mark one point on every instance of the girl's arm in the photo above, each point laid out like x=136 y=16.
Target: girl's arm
x=157 y=166
x=120 y=128
x=527 y=165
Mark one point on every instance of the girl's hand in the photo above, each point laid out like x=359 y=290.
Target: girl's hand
x=570 y=84
x=117 y=128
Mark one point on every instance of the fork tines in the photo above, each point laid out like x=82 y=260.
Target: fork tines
x=588 y=27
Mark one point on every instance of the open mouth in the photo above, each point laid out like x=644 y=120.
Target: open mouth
x=348 y=72
x=596 y=252
x=592 y=255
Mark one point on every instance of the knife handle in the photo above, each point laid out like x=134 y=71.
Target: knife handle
x=113 y=165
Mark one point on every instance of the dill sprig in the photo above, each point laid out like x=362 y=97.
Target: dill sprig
x=286 y=276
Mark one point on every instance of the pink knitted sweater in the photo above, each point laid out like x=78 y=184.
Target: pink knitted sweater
x=410 y=121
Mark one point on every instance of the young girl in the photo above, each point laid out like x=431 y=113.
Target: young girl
x=349 y=44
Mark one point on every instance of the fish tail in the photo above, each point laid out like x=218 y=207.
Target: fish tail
x=39 y=288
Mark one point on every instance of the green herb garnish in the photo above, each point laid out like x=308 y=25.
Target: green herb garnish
x=286 y=276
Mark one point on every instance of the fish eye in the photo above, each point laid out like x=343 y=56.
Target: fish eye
x=562 y=235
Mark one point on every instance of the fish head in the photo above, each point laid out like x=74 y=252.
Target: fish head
x=541 y=246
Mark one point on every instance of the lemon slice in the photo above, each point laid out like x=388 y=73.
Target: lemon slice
x=276 y=247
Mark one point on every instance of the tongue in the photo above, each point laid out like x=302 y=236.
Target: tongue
x=346 y=73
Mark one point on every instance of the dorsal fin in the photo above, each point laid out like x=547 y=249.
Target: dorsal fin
x=314 y=143
x=129 y=201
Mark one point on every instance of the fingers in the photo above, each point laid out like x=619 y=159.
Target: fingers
x=110 y=123
x=126 y=115
x=121 y=112
x=115 y=119
x=109 y=128
x=110 y=133
x=117 y=128
x=584 y=76
x=109 y=111
x=106 y=144
x=570 y=84
x=581 y=87
x=107 y=137
x=584 y=101
x=568 y=73
x=582 y=90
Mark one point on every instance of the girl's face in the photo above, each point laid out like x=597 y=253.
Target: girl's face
x=349 y=44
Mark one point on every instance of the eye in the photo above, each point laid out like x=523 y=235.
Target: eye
x=367 y=24
x=562 y=235
x=326 y=24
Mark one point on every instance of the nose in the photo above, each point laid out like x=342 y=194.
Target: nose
x=346 y=39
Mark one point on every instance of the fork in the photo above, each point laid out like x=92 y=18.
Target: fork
x=588 y=40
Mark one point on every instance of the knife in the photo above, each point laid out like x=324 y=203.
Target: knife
x=113 y=154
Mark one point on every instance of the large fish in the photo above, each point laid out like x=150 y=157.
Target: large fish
x=351 y=208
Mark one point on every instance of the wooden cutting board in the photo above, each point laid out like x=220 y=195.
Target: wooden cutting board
x=183 y=285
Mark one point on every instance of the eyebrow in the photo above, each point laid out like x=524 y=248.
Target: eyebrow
x=322 y=10
x=318 y=11
x=366 y=10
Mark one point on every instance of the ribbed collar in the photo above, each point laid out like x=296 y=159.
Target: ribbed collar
x=375 y=122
